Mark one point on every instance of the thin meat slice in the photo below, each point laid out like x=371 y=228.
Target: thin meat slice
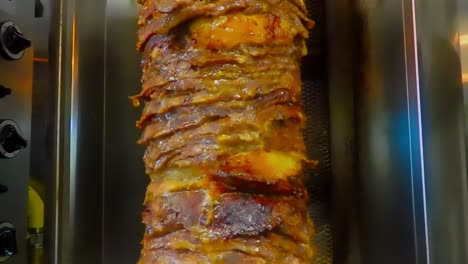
x=195 y=179
x=217 y=123
x=193 y=257
x=212 y=215
x=211 y=141
x=273 y=247
x=153 y=21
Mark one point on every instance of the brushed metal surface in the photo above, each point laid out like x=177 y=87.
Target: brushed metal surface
x=43 y=122
x=343 y=72
x=371 y=157
x=398 y=219
x=125 y=179
x=43 y=102
x=437 y=24
x=14 y=172
x=98 y=190
x=393 y=64
x=388 y=132
x=75 y=200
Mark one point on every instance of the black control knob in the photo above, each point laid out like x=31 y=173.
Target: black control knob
x=3 y=189
x=4 y=91
x=38 y=9
x=7 y=241
x=11 y=141
x=12 y=41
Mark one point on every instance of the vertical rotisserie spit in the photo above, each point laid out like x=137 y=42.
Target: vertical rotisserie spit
x=223 y=127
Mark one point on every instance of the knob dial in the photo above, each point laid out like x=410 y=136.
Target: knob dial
x=11 y=141
x=12 y=41
x=4 y=91
x=7 y=241
x=3 y=189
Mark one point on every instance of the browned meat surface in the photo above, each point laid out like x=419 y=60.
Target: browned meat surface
x=210 y=215
x=192 y=257
x=222 y=122
x=271 y=247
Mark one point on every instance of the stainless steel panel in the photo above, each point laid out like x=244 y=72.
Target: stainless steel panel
x=14 y=173
x=388 y=136
x=75 y=200
x=443 y=130
x=369 y=106
x=43 y=105
x=42 y=121
x=125 y=179
x=99 y=187
x=343 y=73
x=397 y=60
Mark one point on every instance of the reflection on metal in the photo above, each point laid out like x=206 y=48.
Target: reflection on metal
x=463 y=40
x=443 y=129
x=416 y=147
x=42 y=60
x=78 y=34
x=399 y=59
x=465 y=78
x=390 y=163
x=122 y=79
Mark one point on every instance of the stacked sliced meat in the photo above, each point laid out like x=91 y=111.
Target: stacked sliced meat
x=223 y=127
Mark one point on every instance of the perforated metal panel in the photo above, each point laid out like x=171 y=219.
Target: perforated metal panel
x=316 y=133
x=319 y=179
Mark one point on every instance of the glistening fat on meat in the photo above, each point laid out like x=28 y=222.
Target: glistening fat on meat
x=223 y=124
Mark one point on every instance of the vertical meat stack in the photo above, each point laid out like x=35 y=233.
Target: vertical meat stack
x=223 y=127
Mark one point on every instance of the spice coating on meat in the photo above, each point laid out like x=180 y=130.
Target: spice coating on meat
x=222 y=122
